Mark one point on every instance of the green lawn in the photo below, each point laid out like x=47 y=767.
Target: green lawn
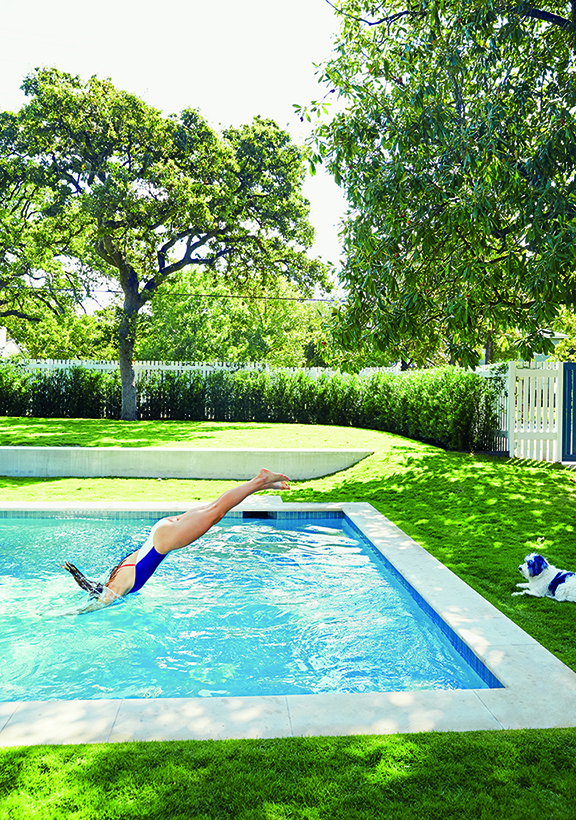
x=523 y=775
x=478 y=515
x=98 y=433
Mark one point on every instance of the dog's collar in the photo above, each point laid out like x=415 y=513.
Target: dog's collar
x=558 y=579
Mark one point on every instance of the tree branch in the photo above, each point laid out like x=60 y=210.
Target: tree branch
x=523 y=10
x=537 y=14
x=153 y=284
x=20 y=315
x=389 y=19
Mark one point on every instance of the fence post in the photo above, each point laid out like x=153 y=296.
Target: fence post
x=559 y=412
x=511 y=409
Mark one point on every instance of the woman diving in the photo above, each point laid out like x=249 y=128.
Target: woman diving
x=168 y=534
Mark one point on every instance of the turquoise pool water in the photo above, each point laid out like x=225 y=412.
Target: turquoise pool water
x=256 y=607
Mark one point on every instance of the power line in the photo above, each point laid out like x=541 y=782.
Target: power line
x=231 y=296
x=213 y=296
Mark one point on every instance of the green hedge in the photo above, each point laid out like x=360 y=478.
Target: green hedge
x=74 y=393
x=448 y=406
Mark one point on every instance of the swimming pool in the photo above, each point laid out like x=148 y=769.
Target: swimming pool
x=267 y=603
x=539 y=691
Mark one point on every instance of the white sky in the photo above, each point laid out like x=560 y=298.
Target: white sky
x=232 y=59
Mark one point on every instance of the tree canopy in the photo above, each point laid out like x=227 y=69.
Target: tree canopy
x=145 y=196
x=198 y=318
x=73 y=334
x=34 y=277
x=456 y=146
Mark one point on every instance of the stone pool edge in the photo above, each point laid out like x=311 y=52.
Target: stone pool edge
x=539 y=690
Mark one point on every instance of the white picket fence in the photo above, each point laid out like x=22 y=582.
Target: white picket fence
x=529 y=409
x=183 y=367
x=535 y=404
x=139 y=367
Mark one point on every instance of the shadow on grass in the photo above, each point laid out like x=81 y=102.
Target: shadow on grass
x=447 y=775
x=495 y=504
x=37 y=489
x=34 y=432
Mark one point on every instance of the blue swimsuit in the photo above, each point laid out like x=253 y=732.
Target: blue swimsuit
x=147 y=561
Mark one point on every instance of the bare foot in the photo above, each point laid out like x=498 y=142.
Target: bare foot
x=274 y=481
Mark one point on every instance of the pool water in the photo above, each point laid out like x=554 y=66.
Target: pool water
x=255 y=607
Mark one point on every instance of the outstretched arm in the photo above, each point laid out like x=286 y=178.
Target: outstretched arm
x=106 y=597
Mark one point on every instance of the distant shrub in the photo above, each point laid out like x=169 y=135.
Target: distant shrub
x=76 y=392
x=171 y=395
x=14 y=390
x=447 y=406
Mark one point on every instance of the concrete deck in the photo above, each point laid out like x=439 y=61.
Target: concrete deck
x=539 y=691
x=172 y=462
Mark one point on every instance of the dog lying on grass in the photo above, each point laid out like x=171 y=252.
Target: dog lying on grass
x=546 y=581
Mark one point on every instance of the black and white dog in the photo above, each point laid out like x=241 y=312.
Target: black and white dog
x=544 y=580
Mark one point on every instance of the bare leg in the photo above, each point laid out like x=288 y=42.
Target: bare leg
x=178 y=532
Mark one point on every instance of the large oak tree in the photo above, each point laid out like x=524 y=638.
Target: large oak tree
x=456 y=145
x=152 y=195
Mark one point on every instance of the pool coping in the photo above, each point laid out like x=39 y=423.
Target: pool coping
x=539 y=691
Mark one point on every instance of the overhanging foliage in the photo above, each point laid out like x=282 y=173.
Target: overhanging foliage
x=457 y=150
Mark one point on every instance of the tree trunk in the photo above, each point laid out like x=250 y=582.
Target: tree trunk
x=127 y=376
x=488 y=350
x=112 y=254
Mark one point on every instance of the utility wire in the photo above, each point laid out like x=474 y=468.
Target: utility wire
x=207 y=295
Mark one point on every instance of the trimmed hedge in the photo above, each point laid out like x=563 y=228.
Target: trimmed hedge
x=447 y=406
x=74 y=393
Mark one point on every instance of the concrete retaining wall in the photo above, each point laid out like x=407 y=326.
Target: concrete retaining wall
x=156 y=462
